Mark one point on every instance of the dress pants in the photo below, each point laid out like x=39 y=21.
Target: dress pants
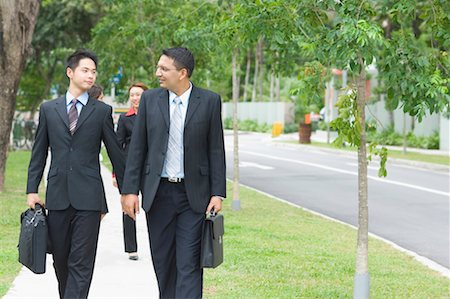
x=73 y=235
x=129 y=233
x=175 y=240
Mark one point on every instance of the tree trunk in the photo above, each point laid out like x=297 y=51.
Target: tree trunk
x=261 y=68
x=236 y=205
x=361 y=290
x=247 y=73
x=255 y=75
x=272 y=85
x=277 y=89
x=17 y=22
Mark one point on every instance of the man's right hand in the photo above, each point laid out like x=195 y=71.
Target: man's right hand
x=130 y=205
x=32 y=199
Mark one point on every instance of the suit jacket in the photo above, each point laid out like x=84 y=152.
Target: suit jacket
x=125 y=129
x=74 y=175
x=204 y=153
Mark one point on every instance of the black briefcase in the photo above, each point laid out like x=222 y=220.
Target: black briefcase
x=212 y=241
x=33 y=239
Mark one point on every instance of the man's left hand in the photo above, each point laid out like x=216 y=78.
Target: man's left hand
x=215 y=203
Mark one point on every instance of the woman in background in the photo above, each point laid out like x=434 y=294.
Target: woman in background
x=124 y=130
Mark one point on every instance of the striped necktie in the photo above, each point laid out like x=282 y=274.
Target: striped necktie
x=73 y=116
x=175 y=146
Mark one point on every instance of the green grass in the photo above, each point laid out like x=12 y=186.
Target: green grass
x=273 y=250
x=12 y=204
x=413 y=156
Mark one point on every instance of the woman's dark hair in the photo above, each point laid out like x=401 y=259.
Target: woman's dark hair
x=95 y=91
x=138 y=84
x=183 y=58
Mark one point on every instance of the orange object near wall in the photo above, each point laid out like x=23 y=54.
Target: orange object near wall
x=307 y=119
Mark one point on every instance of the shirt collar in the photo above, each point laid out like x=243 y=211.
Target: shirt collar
x=82 y=98
x=131 y=112
x=184 y=97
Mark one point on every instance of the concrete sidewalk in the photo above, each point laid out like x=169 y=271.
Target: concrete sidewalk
x=115 y=276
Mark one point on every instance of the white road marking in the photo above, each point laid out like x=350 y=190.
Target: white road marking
x=350 y=173
x=255 y=165
x=368 y=167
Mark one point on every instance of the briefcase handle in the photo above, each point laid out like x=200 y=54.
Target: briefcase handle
x=212 y=213
x=38 y=206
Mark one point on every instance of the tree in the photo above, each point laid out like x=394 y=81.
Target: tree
x=17 y=22
x=62 y=26
x=355 y=40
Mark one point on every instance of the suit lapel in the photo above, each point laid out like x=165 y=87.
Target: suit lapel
x=194 y=101
x=86 y=111
x=61 y=109
x=163 y=103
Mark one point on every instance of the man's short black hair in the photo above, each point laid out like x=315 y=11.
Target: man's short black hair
x=183 y=58
x=74 y=59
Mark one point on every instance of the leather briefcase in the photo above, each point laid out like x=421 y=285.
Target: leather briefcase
x=212 y=241
x=33 y=239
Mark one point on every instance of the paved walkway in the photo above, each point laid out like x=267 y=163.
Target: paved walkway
x=115 y=276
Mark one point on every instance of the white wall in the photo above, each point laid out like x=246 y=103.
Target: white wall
x=262 y=112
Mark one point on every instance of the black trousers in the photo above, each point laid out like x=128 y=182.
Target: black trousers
x=175 y=238
x=129 y=233
x=73 y=235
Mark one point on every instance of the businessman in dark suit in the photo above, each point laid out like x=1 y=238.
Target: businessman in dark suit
x=73 y=127
x=178 y=162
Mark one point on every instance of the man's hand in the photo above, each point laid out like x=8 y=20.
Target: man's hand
x=114 y=182
x=32 y=199
x=130 y=205
x=215 y=203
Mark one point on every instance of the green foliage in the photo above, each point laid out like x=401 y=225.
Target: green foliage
x=290 y=128
x=312 y=78
x=414 y=64
x=390 y=137
x=348 y=126
x=62 y=26
x=248 y=125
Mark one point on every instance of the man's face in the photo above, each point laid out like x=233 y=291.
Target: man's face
x=168 y=74
x=84 y=75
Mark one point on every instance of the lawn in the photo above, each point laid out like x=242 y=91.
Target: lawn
x=272 y=250
x=12 y=204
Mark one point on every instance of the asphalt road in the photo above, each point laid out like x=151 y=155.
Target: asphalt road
x=410 y=207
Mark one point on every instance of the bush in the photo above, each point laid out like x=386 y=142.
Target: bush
x=290 y=128
x=249 y=125
x=228 y=123
x=390 y=137
x=426 y=142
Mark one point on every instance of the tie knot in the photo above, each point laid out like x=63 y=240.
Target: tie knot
x=177 y=101
x=74 y=101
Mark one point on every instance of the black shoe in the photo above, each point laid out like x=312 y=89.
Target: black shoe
x=133 y=256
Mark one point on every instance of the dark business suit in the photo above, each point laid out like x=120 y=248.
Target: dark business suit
x=75 y=193
x=176 y=211
x=124 y=130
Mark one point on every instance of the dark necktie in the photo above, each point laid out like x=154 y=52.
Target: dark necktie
x=73 y=116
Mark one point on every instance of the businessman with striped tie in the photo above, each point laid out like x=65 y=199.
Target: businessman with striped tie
x=73 y=127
